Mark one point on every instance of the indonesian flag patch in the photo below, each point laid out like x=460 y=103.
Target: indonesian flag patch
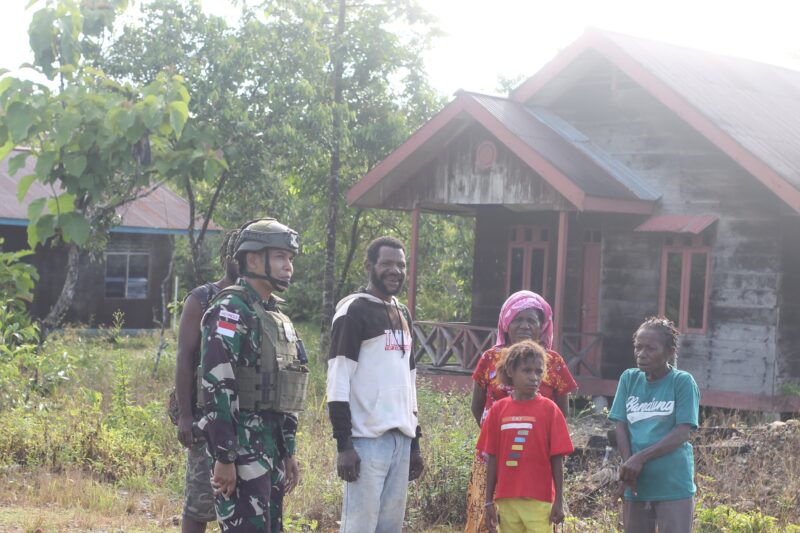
x=226 y=328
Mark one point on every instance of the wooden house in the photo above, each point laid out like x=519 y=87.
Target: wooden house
x=627 y=178
x=133 y=266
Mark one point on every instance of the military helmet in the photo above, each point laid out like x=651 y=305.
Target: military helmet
x=266 y=233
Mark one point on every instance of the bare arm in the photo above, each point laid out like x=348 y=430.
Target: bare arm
x=623 y=440
x=557 y=511
x=562 y=401
x=491 y=481
x=478 y=401
x=188 y=344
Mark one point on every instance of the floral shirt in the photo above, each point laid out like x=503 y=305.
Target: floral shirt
x=557 y=381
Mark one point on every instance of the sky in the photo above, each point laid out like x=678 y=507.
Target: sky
x=487 y=39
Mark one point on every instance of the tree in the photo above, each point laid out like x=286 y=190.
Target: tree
x=99 y=144
x=252 y=91
x=378 y=93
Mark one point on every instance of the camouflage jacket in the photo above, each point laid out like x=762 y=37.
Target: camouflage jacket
x=232 y=337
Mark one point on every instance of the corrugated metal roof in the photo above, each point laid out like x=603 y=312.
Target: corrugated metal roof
x=162 y=211
x=694 y=224
x=756 y=104
x=588 y=166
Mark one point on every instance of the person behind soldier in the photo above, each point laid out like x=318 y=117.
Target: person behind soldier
x=198 y=506
x=253 y=380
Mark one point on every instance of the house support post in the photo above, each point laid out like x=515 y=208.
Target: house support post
x=412 y=267
x=561 y=270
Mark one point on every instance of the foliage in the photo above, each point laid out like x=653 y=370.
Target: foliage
x=18 y=334
x=789 y=388
x=725 y=519
x=98 y=143
x=106 y=428
x=261 y=89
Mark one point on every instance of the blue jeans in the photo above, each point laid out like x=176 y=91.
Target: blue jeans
x=376 y=501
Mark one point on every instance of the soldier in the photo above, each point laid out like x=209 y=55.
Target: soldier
x=254 y=381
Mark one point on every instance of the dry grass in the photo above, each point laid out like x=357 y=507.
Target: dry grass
x=766 y=478
x=64 y=488
x=74 y=501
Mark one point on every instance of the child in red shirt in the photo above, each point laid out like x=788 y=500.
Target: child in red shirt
x=525 y=438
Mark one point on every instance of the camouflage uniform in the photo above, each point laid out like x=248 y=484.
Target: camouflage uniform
x=259 y=439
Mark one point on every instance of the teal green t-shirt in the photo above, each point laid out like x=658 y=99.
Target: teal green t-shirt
x=651 y=410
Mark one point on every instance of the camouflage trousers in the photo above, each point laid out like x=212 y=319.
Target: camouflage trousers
x=199 y=496
x=259 y=492
x=198 y=501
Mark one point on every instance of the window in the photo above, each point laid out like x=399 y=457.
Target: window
x=126 y=274
x=527 y=259
x=684 y=282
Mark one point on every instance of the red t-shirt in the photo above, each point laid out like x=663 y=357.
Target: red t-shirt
x=523 y=436
x=557 y=381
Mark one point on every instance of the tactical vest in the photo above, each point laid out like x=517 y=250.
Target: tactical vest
x=279 y=381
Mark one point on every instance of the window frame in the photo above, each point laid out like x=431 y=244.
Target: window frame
x=127 y=254
x=536 y=243
x=697 y=246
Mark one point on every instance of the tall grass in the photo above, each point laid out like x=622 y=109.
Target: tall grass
x=100 y=441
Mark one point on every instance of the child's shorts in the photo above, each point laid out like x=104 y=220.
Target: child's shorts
x=522 y=515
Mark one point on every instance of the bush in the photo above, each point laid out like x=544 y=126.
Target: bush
x=725 y=519
x=20 y=369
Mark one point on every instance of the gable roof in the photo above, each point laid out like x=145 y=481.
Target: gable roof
x=749 y=110
x=162 y=211
x=584 y=174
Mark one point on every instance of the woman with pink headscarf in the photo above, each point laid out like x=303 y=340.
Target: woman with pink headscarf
x=524 y=316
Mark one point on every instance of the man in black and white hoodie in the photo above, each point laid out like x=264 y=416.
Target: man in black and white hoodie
x=372 y=396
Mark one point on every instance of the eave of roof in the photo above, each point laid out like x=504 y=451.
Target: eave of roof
x=694 y=224
x=608 y=47
x=160 y=212
x=522 y=131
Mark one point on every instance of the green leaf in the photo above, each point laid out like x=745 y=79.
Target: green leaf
x=44 y=165
x=33 y=236
x=17 y=162
x=24 y=184
x=6 y=149
x=5 y=83
x=74 y=228
x=19 y=119
x=178 y=115
x=45 y=228
x=35 y=209
x=151 y=107
x=75 y=164
x=61 y=204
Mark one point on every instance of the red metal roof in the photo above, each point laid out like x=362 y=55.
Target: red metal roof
x=750 y=110
x=694 y=224
x=162 y=211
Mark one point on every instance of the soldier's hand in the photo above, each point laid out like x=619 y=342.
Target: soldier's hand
x=415 y=466
x=185 y=430
x=348 y=465
x=224 y=479
x=291 y=474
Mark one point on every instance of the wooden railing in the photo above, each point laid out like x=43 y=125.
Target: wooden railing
x=582 y=352
x=451 y=345
x=456 y=346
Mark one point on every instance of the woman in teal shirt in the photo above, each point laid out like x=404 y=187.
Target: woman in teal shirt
x=655 y=408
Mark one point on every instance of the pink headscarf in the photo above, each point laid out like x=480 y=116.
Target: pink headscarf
x=520 y=301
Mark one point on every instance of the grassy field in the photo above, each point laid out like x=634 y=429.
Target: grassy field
x=90 y=448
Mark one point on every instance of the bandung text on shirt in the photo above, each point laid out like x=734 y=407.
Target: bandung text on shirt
x=642 y=411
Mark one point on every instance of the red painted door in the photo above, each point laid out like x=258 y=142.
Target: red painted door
x=590 y=304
